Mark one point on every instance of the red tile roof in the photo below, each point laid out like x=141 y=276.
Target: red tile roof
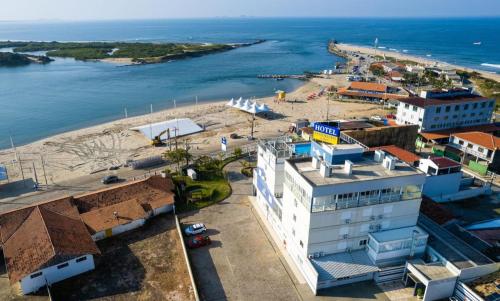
x=486 y=128
x=43 y=235
x=425 y=102
x=482 y=139
x=104 y=218
x=368 y=86
x=443 y=162
x=402 y=154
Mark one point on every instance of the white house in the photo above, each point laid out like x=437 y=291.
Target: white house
x=478 y=147
x=440 y=110
x=45 y=244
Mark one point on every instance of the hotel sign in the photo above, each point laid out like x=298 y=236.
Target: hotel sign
x=326 y=133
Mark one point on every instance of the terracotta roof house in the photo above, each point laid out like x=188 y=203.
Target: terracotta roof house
x=46 y=243
x=400 y=153
x=54 y=240
x=478 y=148
x=368 y=91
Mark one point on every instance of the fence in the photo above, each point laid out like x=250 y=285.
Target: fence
x=478 y=167
x=186 y=258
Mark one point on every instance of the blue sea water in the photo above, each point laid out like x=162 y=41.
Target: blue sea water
x=38 y=101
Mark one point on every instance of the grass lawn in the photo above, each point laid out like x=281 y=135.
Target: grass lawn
x=212 y=191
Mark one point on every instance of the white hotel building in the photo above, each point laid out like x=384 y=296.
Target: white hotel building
x=343 y=216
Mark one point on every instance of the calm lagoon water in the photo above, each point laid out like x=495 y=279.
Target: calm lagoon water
x=38 y=101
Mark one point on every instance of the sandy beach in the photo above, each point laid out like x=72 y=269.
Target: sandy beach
x=417 y=59
x=89 y=150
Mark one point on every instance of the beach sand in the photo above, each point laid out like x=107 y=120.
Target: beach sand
x=89 y=150
x=417 y=59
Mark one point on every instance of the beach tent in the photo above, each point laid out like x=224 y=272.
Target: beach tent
x=248 y=106
x=176 y=127
x=263 y=108
x=231 y=103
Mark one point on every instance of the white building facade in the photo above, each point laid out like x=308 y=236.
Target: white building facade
x=334 y=204
x=440 y=111
x=56 y=273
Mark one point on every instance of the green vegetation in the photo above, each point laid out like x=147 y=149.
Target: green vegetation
x=177 y=156
x=8 y=59
x=488 y=87
x=143 y=53
x=377 y=70
x=202 y=192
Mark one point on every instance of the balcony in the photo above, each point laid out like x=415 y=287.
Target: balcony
x=469 y=151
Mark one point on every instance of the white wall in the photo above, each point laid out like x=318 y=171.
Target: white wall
x=164 y=209
x=442 y=184
x=52 y=274
x=439 y=289
x=119 y=229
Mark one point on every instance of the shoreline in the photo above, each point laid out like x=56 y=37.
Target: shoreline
x=414 y=58
x=93 y=149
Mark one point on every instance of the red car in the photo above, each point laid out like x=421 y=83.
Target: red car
x=198 y=241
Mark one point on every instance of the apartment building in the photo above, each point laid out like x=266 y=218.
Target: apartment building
x=445 y=109
x=341 y=214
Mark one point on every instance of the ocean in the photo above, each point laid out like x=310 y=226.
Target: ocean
x=38 y=101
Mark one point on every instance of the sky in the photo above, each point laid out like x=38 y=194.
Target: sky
x=75 y=10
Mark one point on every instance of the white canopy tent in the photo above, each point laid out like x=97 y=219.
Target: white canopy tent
x=248 y=106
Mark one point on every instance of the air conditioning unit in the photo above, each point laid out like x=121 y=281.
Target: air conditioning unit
x=316 y=255
x=372 y=218
x=380 y=216
x=378 y=227
x=310 y=256
x=321 y=254
x=348 y=250
x=347 y=221
x=346 y=236
x=372 y=227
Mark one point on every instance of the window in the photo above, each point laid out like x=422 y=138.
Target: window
x=457 y=108
x=293 y=232
x=480 y=149
x=474 y=106
x=62 y=266
x=81 y=259
x=301 y=243
x=455 y=116
x=448 y=108
x=407 y=106
x=483 y=105
x=472 y=114
x=480 y=113
x=415 y=108
x=436 y=118
x=466 y=106
x=36 y=275
x=438 y=109
x=363 y=242
x=491 y=104
x=461 y=142
x=294 y=218
x=445 y=117
x=295 y=202
x=469 y=145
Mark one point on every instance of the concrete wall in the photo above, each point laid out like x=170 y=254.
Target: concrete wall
x=403 y=136
x=442 y=184
x=162 y=210
x=53 y=274
x=439 y=289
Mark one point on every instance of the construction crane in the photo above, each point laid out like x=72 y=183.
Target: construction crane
x=157 y=139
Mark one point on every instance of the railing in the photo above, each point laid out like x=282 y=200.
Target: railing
x=469 y=151
x=351 y=140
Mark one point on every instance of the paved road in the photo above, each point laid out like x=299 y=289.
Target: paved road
x=240 y=264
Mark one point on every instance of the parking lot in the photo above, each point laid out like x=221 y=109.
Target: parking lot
x=242 y=264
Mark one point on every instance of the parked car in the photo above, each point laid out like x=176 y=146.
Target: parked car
x=198 y=241
x=110 y=179
x=195 y=229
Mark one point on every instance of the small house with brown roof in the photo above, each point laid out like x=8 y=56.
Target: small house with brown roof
x=46 y=243
x=54 y=240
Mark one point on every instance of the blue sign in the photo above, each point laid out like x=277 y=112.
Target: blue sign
x=327 y=129
x=3 y=173
x=223 y=140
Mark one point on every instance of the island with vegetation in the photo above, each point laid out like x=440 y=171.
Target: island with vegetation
x=136 y=53
x=9 y=59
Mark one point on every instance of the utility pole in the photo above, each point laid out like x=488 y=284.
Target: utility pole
x=34 y=173
x=175 y=104
x=21 y=169
x=196 y=100
x=253 y=122
x=13 y=147
x=126 y=114
x=43 y=168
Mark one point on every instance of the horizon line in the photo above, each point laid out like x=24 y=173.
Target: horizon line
x=253 y=17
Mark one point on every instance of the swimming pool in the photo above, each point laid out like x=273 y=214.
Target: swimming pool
x=302 y=149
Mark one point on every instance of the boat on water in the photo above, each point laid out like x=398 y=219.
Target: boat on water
x=477 y=43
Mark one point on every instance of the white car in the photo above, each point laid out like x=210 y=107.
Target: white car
x=195 y=229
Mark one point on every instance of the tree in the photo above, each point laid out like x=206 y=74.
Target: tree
x=410 y=78
x=377 y=70
x=237 y=152
x=177 y=156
